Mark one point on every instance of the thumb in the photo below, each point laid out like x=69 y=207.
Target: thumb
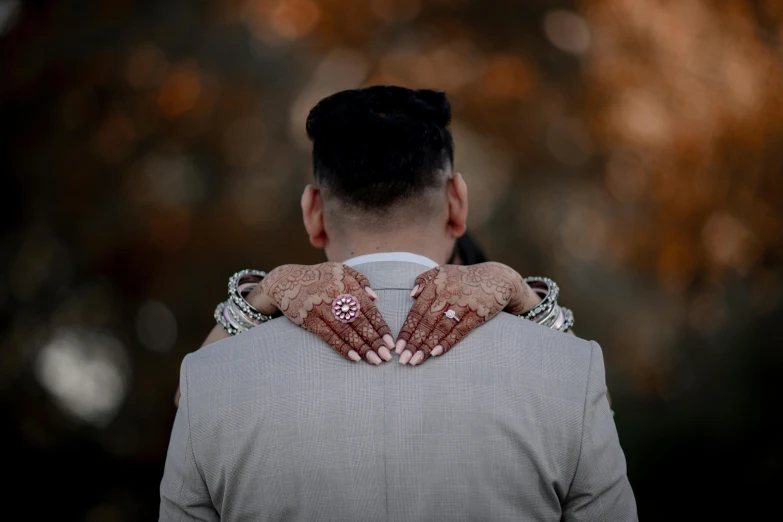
x=522 y=300
x=422 y=280
x=261 y=301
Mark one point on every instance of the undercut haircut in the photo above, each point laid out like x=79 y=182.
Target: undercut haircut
x=378 y=146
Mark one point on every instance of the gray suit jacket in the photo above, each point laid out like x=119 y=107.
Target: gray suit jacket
x=512 y=424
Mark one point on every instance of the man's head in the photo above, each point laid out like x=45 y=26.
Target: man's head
x=382 y=158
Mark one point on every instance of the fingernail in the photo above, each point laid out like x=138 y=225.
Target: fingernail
x=389 y=340
x=417 y=358
x=372 y=293
x=384 y=353
x=352 y=355
x=413 y=292
x=373 y=358
x=437 y=351
x=400 y=346
x=405 y=357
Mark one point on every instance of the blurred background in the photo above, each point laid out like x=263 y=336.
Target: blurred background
x=630 y=149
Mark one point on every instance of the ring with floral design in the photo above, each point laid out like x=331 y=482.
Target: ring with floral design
x=345 y=308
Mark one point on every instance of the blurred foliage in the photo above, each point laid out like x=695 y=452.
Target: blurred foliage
x=630 y=149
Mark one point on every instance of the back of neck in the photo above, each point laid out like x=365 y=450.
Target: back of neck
x=423 y=245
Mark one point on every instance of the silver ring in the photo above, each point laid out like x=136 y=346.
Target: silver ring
x=451 y=314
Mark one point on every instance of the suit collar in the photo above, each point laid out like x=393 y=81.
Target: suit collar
x=392 y=275
x=407 y=257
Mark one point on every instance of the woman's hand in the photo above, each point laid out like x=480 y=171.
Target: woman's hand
x=475 y=294
x=304 y=294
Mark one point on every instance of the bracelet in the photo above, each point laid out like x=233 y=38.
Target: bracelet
x=551 y=318
x=568 y=322
x=549 y=291
x=238 y=288
x=238 y=315
x=548 y=312
x=235 y=314
x=221 y=319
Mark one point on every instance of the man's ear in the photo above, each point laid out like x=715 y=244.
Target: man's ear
x=313 y=216
x=457 y=193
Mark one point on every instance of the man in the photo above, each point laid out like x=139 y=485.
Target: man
x=514 y=424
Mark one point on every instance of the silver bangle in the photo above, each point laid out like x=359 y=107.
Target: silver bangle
x=541 y=285
x=235 y=314
x=568 y=321
x=551 y=317
x=235 y=294
x=548 y=312
x=221 y=319
x=239 y=316
x=558 y=324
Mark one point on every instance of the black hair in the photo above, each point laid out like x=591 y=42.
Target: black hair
x=376 y=146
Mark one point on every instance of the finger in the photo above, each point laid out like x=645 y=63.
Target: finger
x=442 y=329
x=425 y=278
x=359 y=334
x=262 y=301
x=419 y=310
x=423 y=329
x=356 y=344
x=371 y=312
x=351 y=337
x=368 y=334
x=466 y=325
x=362 y=281
x=323 y=330
x=373 y=315
x=360 y=278
x=373 y=358
x=389 y=340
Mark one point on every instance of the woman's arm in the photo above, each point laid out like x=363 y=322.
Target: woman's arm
x=218 y=333
x=451 y=301
x=304 y=294
x=476 y=293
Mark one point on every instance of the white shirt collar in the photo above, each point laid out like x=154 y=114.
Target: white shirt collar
x=406 y=257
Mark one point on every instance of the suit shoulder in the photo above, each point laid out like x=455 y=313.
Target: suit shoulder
x=529 y=345
x=514 y=326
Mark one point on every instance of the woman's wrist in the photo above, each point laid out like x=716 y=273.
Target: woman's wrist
x=530 y=299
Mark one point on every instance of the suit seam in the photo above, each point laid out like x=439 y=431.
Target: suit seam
x=584 y=419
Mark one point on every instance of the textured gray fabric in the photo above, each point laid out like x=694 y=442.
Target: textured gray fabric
x=511 y=424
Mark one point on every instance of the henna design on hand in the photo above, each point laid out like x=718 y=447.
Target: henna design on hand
x=304 y=294
x=476 y=293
